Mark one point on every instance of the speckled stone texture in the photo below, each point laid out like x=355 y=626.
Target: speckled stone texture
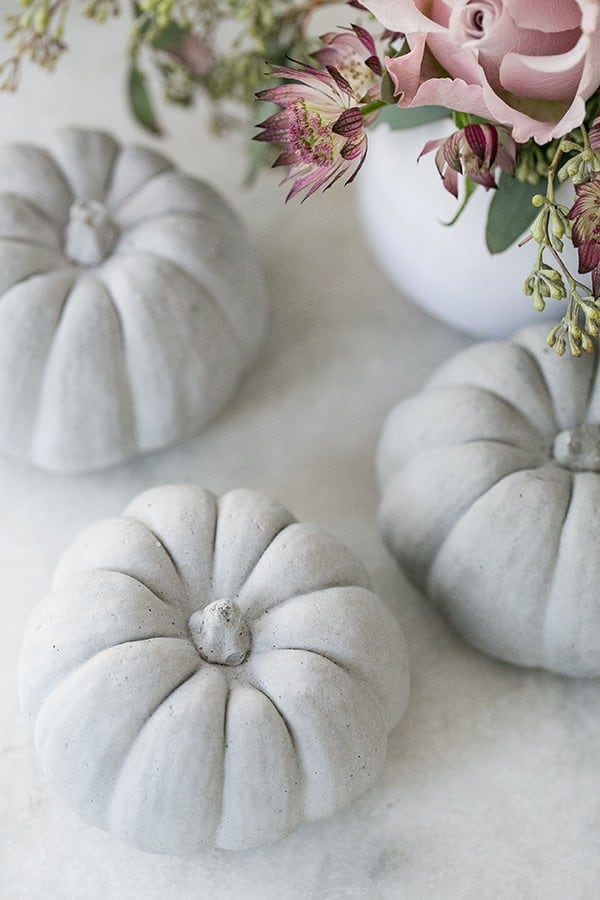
x=490 y=791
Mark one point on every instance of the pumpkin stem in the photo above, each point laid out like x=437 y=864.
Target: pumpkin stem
x=578 y=448
x=90 y=234
x=220 y=633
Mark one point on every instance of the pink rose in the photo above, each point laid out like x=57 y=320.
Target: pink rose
x=526 y=64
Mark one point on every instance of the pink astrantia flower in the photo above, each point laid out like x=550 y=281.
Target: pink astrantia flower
x=527 y=64
x=475 y=151
x=353 y=53
x=321 y=125
x=585 y=215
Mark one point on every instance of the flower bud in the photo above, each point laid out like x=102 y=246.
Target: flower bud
x=587 y=343
x=558 y=228
x=539 y=226
x=557 y=291
x=538 y=300
x=575 y=344
x=561 y=345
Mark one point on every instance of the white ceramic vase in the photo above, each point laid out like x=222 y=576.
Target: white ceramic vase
x=447 y=271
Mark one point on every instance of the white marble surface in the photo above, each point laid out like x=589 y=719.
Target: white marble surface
x=491 y=788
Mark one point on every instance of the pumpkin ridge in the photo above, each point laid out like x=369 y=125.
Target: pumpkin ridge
x=349 y=691
x=415 y=424
x=63 y=267
x=136 y=579
x=255 y=613
x=219 y=816
x=509 y=405
x=249 y=613
x=168 y=214
x=591 y=387
x=299 y=775
x=254 y=686
x=252 y=507
x=299 y=785
x=204 y=279
x=140 y=640
x=502 y=443
x=59 y=318
x=120 y=766
x=168 y=553
x=539 y=368
x=129 y=398
x=483 y=364
x=71 y=149
x=178 y=425
x=549 y=393
x=425 y=583
x=498 y=460
x=210 y=580
x=168 y=166
x=84 y=680
x=353 y=676
x=19 y=241
x=80 y=665
x=210 y=196
x=334 y=585
x=513 y=600
x=65 y=281
x=43 y=168
x=52 y=417
x=256 y=603
x=199 y=287
x=552 y=578
x=104 y=191
x=29 y=203
x=227 y=242
x=512 y=406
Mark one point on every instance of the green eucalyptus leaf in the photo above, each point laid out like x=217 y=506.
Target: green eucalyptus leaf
x=399 y=119
x=171 y=37
x=511 y=212
x=140 y=101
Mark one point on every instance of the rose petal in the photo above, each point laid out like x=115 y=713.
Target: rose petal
x=547 y=77
x=404 y=16
x=556 y=15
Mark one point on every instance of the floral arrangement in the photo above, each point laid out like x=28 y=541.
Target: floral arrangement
x=518 y=80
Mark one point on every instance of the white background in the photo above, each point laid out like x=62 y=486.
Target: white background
x=492 y=786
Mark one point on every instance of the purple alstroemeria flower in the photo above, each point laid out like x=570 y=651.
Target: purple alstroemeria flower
x=474 y=151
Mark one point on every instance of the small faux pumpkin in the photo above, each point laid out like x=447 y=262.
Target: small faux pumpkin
x=130 y=302
x=490 y=483
x=210 y=672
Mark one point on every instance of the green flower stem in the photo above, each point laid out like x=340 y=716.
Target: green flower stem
x=369 y=108
x=586 y=139
x=552 y=170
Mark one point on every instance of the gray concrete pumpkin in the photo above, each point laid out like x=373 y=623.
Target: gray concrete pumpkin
x=210 y=672
x=130 y=302
x=490 y=481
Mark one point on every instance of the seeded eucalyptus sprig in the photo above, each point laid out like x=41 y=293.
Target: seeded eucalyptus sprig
x=577 y=161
